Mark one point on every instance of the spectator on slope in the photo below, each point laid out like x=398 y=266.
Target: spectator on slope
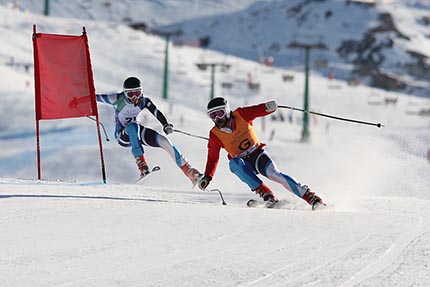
x=130 y=133
x=234 y=131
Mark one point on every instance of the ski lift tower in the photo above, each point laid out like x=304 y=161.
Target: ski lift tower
x=307 y=47
x=203 y=66
x=46 y=11
x=166 y=36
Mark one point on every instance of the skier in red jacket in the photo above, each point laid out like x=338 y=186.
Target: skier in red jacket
x=234 y=132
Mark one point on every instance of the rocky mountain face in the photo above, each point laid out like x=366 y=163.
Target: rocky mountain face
x=368 y=55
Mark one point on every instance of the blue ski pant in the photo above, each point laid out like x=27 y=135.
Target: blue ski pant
x=248 y=168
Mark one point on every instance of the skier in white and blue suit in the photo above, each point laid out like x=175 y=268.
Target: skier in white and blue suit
x=130 y=133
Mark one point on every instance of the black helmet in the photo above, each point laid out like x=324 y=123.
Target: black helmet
x=133 y=89
x=218 y=104
x=131 y=83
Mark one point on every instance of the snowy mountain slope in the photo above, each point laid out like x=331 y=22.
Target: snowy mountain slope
x=384 y=45
x=79 y=232
x=151 y=12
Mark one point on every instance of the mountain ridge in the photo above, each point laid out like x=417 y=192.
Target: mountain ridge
x=368 y=37
x=368 y=41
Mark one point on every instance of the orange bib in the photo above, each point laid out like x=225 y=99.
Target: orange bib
x=242 y=140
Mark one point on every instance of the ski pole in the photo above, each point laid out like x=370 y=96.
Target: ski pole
x=191 y=135
x=220 y=194
x=332 y=117
x=103 y=127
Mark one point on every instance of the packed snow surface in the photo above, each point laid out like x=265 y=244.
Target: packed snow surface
x=70 y=229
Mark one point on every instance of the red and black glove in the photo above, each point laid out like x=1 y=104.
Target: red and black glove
x=204 y=182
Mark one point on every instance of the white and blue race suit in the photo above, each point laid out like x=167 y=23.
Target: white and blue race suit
x=129 y=133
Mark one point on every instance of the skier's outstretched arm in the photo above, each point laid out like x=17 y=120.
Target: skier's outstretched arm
x=110 y=99
x=147 y=103
x=104 y=98
x=251 y=112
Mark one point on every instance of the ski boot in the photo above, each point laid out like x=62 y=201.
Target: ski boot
x=193 y=174
x=142 y=166
x=264 y=192
x=314 y=200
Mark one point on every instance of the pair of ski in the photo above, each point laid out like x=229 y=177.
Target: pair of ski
x=279 y=204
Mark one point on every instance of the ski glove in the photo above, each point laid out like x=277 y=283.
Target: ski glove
x=168 y=128
x=204 y=182
x=271 y=106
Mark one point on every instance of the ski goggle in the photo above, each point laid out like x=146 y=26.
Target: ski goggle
x=217 y=114
x=133 y=94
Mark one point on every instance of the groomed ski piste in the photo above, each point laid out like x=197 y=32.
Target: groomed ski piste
x=70 y=229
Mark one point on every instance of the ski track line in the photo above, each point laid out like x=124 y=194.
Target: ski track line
x=281 y=268
x=314 y=270
x=84 y=196
x=391 y=254
x=172 y=259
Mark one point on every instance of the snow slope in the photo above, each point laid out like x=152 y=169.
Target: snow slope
x=72 y=230
x=126 y=235
x=152 y=12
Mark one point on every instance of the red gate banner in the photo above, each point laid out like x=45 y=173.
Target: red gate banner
x=64 y=84
x=63 y=74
